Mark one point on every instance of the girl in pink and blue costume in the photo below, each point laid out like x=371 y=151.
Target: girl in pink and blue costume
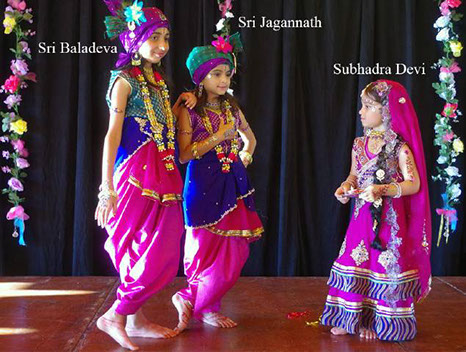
x=141 y=192
x=218 y=197
x=384 y=263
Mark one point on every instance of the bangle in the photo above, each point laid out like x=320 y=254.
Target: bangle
x=245 y=154
x=194 y=151
x=185 y=132
x=245 y=128
x=398 y=189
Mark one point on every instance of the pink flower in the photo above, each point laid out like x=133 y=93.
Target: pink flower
x=225 y=7
x=222 y=46
x=448 y=137
x=444 y=9
x=453 y=68
x=18 y=145
x=22 y=163
x=24 y=153
x=12 y=84
x=15 y=184
x=19 y=67
x=6 y=169
x=17 y=213
x=453 y=3
x=449 y=110
x=12 y=100
x=6 y=154
x=17 y=4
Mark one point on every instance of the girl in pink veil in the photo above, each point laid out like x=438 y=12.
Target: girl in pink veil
x=384 y=262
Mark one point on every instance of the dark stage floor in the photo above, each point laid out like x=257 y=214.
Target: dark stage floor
x=59 y=314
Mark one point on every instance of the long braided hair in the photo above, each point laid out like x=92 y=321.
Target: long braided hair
x=378 y=92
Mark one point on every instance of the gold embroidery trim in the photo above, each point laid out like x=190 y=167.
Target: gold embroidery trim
x=369 y=303
x=237 y=233
x=154 y=195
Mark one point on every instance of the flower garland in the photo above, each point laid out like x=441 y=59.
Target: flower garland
x=13 y=125
x=168 y=153
x=222 y=156
x=450 y=145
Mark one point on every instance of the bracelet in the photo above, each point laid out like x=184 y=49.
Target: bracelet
x=245 y=128
x=398 y=189
x=105 y=191
x=185 y=132
x=116 y=110
x=246 y=155
x=194 y=151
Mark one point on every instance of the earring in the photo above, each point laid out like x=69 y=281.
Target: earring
x=136 y=59
x=201 y=88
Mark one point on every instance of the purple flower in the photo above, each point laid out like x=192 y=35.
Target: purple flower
x=15 y=184
x=4 y=139
x=6 y=169
x=19 y=67
x=6 y=154
x=12 y=100
x=25 y=47
x=22 y=163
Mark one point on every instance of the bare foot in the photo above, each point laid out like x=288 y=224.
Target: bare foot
x=338 y=331
x=116 y=330
x=218 y=320
x=137 y=325
x=368 y=334
x=185 y=311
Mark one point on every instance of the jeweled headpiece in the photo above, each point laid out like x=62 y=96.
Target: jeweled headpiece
x=133 y=24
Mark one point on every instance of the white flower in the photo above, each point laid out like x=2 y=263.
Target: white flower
x=446 y=76
x=442 y=22
x=455 y=191
x=452 y=171
x=442 y=159
x=443 y=35
x=229 y=15
x=220 y=24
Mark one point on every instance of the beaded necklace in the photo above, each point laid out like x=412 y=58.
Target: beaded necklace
x=168 y=152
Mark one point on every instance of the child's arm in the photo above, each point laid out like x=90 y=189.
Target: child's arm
x=249 y=139
x=350 y=182
x=189 y=150
x=119 y=98
x=410 y=184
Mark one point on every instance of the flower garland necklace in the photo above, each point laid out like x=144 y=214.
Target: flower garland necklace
x=168 y=152
x=222 y=156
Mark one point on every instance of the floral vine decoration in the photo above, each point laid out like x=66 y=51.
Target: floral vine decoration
x=450 y=145
x=13 y=125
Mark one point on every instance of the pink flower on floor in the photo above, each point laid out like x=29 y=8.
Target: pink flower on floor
x=17 y=4
x=6 y=169
x=15 y=184
x=12 y=100
x=11 y=84
x=22 y=163
x=19 y=67
x=17 y=213
x=222 y=45
x=448 y=137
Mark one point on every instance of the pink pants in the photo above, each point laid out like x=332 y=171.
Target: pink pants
x=212 y=265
